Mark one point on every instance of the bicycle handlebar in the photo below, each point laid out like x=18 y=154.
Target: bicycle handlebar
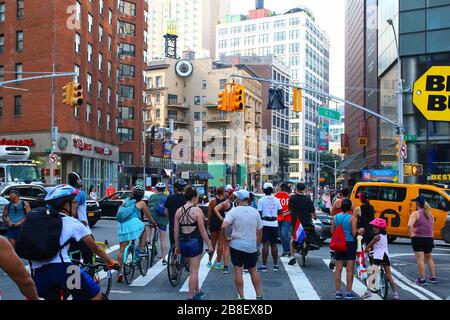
x=96 y=266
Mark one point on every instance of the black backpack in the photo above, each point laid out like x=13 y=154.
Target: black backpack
x=39 y=238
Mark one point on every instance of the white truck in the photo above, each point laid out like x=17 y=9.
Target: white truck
x=15 y=166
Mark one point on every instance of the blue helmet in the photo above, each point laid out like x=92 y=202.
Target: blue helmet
x=60 y=194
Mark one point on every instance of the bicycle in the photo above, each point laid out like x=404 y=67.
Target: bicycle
x=133 y=260
x=174 y=267
x=306 y=246
x=153 y=244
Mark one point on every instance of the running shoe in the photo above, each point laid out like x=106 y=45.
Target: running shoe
x=367 y=295
x=395 y=296
x=120 y=278
x=421 y=282
x=433 y=280
x=209 y=265
x=292 y=262
x=276 y=268
x=245 y=270
x=339 y=295
x=218 y=266
x=350 y=296
x=262 y=269
x=259 y=297
x=225 y=270
x=164 y=262
x=331 y=265
x=199 y=296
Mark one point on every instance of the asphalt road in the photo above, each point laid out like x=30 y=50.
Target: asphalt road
x=313 y=282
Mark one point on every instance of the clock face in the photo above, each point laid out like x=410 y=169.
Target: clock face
x=184 y=68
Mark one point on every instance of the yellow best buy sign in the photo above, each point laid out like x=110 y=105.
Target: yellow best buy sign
x=432 y=94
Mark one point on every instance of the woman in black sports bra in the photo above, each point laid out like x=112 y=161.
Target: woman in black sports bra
x=189 y=233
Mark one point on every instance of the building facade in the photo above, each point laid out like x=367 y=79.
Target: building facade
x=226 y=143
x=295 y=39
x=193 y=21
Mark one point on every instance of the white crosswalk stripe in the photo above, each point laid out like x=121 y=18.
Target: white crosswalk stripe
x=202 y=273
x=413 y=286
x=302 y=286
x=152 y=273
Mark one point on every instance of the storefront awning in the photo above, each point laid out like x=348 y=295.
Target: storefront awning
x=203 y=175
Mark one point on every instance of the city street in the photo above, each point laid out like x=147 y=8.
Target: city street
x=313 y=282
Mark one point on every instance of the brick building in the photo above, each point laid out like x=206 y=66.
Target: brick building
x=103 y=42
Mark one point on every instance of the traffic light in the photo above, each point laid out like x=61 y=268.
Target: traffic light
x=398 y=146
x=67 y=93
x=237 y=98
x=417 y=169
x=77 y=95
x=222 y=101
x=298 y=100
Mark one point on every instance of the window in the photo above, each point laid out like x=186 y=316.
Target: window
x=126 y=113
x=295 y=127
x=109 y=95
x=264 y=38
x=19 y=40
x=127 y=49
x=109 y=68
x=223 y=32
x=88 y=112
x=372 y=191
x=250 y=28
x=77 y=42
x=435 y=200
x=78 y=16
x=293 y=61
x=203 y=84
x=127 y=92
x=158 y=82
x=294 y=167
x=110 y=17
x=19 y=68
x=126 y=134
x=108 y=121
x=90 y=22
x=197 y=100
x=1 y=106
x=279 y=36
x=294 y=21
x=223 y=44
x=127 y=8
x=264 y=26
x=100 y=61
x=20 y=9
x=392 y=194
x=294 y=154
x=294 y=48
x=89 y=53
x=294 y=141
x=172 y=99
x=222 y=83
x=158 y=114
x=76 y=69
x=126 y=158
x=127 y=29
x=2 y=12
x=2 y=74
x=127 y=70
x=294 y=34
x=279 y=49
x=101 y=5
x=235 y=30
x=110 y=43
x=2 y=43
x=235 y=42
x=17 y=105
x=89 y=82
x=99 y=118
x=100 y=89
x=279 y=24
x=100 y=33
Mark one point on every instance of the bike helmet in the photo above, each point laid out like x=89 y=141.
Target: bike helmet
x=60 y=195
x=75 y=180
x=160 y=186
x=138 y=189
x=180 y=184
x=380 y=223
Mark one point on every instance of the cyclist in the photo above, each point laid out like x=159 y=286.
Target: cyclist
x=14 y=268
x=214 y=227
x=54 y=273
x=134 y=228
x=221 y=211
x=189 y=233
x=14 y=215
x=364 y=214
x=157 y=209
x=173 y=203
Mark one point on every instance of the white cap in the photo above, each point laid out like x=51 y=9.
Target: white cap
x=242 y=194
x=228 y=187
x=268 y=185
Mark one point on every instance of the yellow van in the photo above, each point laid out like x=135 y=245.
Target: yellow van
x=393 y=202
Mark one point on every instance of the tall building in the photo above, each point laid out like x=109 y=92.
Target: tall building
x=194 y=22
x=91 y=38
x=295 y=39
x=189 y=101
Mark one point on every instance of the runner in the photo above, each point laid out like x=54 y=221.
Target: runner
x=173 y=203
x=215 y=229
x=284 y=220
x=14 y=215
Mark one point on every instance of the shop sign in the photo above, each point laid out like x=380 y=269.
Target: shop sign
x=440 y=177
x=63 y=143
x=431 y=94
x=22 y=142
x=104 y=151
x=79 y=144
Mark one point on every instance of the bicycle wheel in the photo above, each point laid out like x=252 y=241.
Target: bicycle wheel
x=174 y=270
x=103 y=278
x=154 y=248
x=128 y=265
x=144 y=263
x=384 y=286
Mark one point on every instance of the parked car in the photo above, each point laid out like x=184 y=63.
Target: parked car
x=3 y=226
x=110 y=205
x=35 y=194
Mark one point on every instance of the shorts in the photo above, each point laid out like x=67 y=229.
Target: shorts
x=270 y=234
x=13 y=232
x=385 y=261
x=215 y=224
x=243 y=259
x=162 y=227
x=349 y=255
x=191 y=247
x=53 y=277
x=424 y=245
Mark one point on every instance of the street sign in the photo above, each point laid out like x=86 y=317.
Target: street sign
x=431 y=94
x=328 y=113
x=410 y=138
x=53 y=158
x=404 y=151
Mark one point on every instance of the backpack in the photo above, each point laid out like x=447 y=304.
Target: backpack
x=338 y=242
x=39 y=238
x=126 y=211
x=161 y=206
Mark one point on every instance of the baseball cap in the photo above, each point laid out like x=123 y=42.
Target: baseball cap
x=420 y=199
x=268 y=185
x=229 y=188
x=242 y=194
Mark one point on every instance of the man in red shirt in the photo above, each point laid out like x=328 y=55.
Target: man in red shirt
x=110 y=190
x=284 y=221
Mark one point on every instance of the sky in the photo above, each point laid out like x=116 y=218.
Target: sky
x=330 y=16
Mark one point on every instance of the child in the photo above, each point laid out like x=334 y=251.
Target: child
x=380 y=257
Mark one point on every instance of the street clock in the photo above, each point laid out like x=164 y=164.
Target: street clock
x=184 y=68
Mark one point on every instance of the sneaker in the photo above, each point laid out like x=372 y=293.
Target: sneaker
x=331 y=265
x=433 y=280
x=120 y=278
x=164 y=262
x=209 y=265
x=199 y=296
x=218 y=266
x=395 y=296
x=259 y=297
x=262 y=269
x=339 y=295
x=276 y=268
x=292 y=262
x=350 y=296
x=245 y=270
x=421 y=282
x=367 y=295
x=285 y=254
x=225 y=270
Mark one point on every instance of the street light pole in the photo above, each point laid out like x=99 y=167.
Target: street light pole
x=53 y=138
x=400 y=105
x=145 y=145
